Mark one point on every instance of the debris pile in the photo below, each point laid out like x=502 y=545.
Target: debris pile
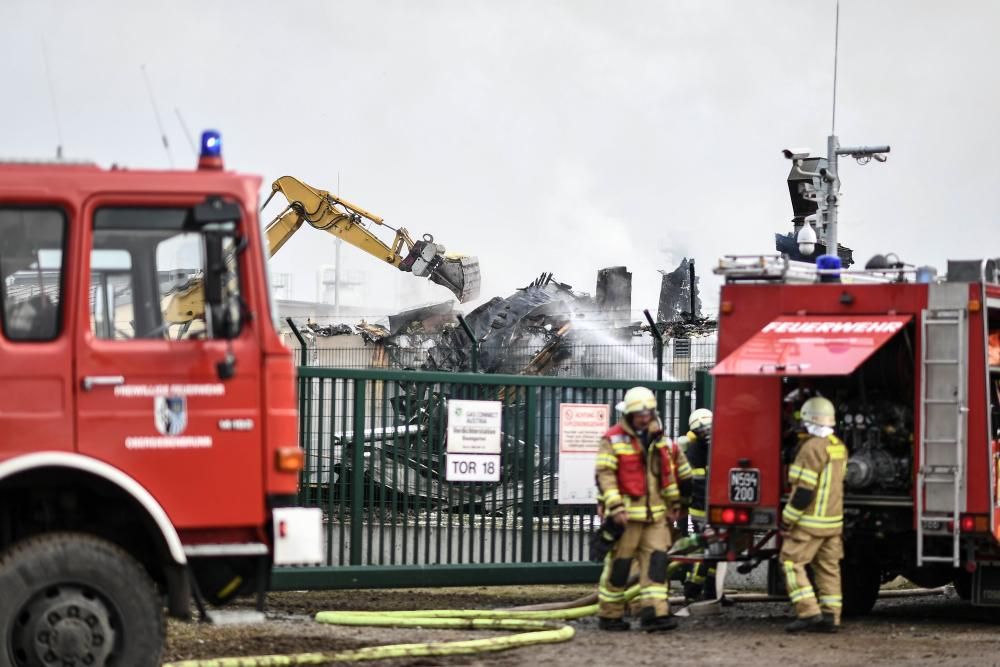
x=544 y=328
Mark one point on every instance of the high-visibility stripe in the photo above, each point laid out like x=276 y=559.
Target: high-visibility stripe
x=684 y=471
x=696 y=513
x=790 y=514
x=832 y=601
x=802 y=476
x=624 y=449
x=791 y=582
x=655 y=592
x=804 y=593
x=621 y=437
x=700 y=472
x=607 y=462
x=824 y=493
x=638 y=512
x=837 y=452
x=821 y=521
x=671 y=492
x=612 y=497
x=795 y=592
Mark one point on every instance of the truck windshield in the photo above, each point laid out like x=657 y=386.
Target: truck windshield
x=147 y=269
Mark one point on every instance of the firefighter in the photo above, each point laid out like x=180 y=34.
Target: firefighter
x=642 y=478
x=813 y=520
x=700 y=579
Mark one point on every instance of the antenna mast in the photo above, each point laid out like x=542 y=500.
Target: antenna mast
x=156 y=112
x=187 y=132
x=836 y=49
x=830 y=187
x=52 y=99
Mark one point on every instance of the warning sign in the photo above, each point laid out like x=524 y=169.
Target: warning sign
x=581 y=426
x=474 y=427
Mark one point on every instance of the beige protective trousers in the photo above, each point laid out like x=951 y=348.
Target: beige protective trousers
x=648 y=544
x=800 y=549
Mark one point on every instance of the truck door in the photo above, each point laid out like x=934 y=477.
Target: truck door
x=36 y=390
x=993 y=388
x=152 y=400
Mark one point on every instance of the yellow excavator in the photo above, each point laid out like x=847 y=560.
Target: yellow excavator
x=322 y=210
x=423 y=258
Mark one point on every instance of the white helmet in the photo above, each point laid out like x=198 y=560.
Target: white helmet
x=818 y=410
x=700 y=419
x=637 y=399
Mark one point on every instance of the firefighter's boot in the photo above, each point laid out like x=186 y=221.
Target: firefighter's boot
x=650 y=623
x=807 y=624
x=829 y=624
x=613 y=624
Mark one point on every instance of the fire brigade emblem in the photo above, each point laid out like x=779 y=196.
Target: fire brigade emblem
x=170 y=414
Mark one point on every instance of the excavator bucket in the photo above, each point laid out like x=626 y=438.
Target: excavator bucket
x=459 y=273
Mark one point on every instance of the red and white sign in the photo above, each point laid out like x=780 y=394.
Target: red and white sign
x=812 y=345
x=581 y=426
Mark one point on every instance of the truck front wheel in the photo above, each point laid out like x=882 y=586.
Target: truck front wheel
x=860 y=582
x=74 y=599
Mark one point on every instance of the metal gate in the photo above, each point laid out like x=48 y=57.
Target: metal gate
x=374 y=443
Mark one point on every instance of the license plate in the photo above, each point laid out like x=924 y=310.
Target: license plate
x=744 y=485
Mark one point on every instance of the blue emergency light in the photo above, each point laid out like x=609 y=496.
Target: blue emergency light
x=829 y=263
x=211 y=151
x=211 y=143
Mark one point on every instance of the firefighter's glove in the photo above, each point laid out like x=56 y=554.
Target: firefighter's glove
x=604 y=538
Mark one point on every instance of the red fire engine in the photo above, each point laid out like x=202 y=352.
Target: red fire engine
x=912 y=364
x=145 y=454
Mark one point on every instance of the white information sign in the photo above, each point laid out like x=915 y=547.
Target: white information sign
x=472 y=467
x=474 y=427
x=581 y=426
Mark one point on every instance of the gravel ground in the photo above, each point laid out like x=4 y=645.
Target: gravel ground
x=937 y=631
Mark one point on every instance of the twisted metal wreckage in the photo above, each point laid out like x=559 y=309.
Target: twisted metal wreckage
x=546 y=328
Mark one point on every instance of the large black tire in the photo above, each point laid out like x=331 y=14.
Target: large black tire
x=963 y=585
x=860 y=582
x=74 y=599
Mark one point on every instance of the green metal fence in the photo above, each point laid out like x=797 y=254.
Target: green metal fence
x=375 y=463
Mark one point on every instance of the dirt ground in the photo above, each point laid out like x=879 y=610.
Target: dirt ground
x=939 y=631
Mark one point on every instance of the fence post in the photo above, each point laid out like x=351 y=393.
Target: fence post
x=528 y=482
x=704 y=389
x=358 y=472
x=657 y=344
x=304 y=353
x=684 y=408
x=475 y=343
x=661 y=401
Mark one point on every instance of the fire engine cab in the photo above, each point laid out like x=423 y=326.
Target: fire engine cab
x=144 y=455
x=912 y=363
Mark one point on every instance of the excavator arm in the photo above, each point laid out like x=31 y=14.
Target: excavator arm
x=351 y=223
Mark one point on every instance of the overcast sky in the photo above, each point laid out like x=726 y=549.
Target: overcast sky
x=540 y=136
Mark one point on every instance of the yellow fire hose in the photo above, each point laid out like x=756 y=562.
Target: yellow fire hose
x=532 y=627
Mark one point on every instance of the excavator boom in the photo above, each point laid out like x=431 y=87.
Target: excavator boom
x=351 y=223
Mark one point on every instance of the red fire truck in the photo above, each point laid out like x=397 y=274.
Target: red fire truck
x=143 y=456
x=911 y=362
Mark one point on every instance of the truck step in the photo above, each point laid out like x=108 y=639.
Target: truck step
x=235 y=617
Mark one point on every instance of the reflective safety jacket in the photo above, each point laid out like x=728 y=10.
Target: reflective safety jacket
x=697 y=451
x=641 y=483
x=819 y=467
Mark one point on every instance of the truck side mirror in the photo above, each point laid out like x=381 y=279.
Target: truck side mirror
x=222 y=305
x=215 y=210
